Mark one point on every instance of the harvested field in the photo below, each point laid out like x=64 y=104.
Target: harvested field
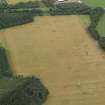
x=60 y=52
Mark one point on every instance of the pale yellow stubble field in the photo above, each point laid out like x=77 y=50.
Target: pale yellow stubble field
x=59 y=51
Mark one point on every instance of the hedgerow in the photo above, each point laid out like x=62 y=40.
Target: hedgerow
x=70 y=9
x=95 y=16
x=102 y=42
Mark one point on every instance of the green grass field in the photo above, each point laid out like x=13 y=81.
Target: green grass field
x=95 y=3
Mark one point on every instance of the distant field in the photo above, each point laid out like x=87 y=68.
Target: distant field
x=95 y=3
x=60 y=52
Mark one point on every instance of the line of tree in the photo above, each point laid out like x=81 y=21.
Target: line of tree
x=95 y=16
x=70 y=9
x=31 y=90
x=5 y=69
x=13 y=19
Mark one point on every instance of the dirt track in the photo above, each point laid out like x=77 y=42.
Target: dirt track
x=60 y=52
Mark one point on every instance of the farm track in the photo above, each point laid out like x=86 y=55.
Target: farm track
x=60 y=52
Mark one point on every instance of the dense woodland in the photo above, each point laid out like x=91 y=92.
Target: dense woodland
x=70 y=9
x=95 y=16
